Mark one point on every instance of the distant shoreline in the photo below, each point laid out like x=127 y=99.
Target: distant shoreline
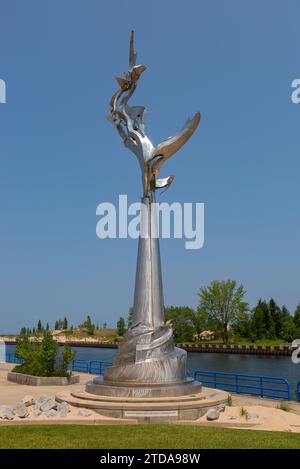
x=276 y=350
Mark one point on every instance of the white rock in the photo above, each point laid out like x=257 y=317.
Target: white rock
x=6 y=412
x=28 y=400
x=43 y=398
x=213 y=414
x=84 y=413
x=63 y=409
x=221 y=407
x=48 y=405
x=20 y=410
x=51 y=413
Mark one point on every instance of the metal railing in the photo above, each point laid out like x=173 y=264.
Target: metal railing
x=263 y=386
x=11 y=358
x=298 y=391
x=94 y=367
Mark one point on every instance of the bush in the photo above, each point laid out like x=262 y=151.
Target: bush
x=41 y=357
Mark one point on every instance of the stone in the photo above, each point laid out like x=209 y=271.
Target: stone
x=20 y=410
x=51 y=413
x=84 y=413
x=28 y=400
x=37 y=411
x=213 y=414
x=42 y=399
x=49 y=404
x=221 y=407
x=63 y=409
x=6 y=412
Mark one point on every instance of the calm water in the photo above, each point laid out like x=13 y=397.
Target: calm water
x=251 y=364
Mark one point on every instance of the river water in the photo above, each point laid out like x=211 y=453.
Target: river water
x=251 y=364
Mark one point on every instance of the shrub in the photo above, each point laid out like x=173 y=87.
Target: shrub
x=41 y=357
x=244 y=413
x=284 y=406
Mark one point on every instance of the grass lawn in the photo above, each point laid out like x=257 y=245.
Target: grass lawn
x=140 y=436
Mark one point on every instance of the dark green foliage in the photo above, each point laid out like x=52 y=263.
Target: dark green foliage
x=223 y=301
x=297 y=316
x=121 y=327
x=181 y=318
x=89 y=326
x=41 y=357
x=129 y=317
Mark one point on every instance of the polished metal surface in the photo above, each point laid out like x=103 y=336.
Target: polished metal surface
x=130 y=123
x=147 y=354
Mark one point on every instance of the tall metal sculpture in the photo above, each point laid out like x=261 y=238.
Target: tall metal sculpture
x=147 y=354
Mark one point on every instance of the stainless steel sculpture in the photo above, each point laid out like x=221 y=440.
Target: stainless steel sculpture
x=147 y=355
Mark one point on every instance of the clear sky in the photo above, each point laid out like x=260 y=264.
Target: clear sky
x=232 y=60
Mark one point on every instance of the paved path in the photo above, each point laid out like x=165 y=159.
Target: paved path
x=11 y=393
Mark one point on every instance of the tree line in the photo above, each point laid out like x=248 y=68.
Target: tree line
x=223 y=310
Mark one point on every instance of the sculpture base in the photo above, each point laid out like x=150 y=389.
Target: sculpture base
x=101 y=387
x=160 y=409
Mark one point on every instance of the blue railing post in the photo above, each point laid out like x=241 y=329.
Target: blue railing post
x=261 y=387
x=237 y=383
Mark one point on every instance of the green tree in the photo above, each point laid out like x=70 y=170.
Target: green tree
x=259 y=319
x=223 y=301
x=65 y=323
x=297 y=316
x=121 y=327
x=277 y=317
x=243 y=325
x=67 y=357
x=47 y=327
x=39 y=327
x=181 y=318
x=129 y=318
x=200 y=320
x=48 y=353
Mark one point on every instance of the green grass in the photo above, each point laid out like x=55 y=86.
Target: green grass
x=141 y=436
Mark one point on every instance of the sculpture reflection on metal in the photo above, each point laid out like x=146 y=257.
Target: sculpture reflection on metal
x=147 y=354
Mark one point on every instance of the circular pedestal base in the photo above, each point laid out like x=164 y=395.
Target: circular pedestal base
x=161 y=409
x=101 y=387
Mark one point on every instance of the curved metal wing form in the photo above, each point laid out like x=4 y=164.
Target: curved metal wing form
x=130 y=121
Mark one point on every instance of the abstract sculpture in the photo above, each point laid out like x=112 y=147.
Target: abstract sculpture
x=147 y=355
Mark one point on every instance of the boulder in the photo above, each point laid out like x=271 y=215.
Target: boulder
x=6 y=412
x=221 y=407
x=20 y=410
x=213 y=414
x=28 y=400
x=37 y=411
x=49 y=404
x=51 y=413
x=84 y=413
x=63 y=409
x=43 y=398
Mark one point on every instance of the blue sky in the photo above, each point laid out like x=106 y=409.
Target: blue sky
x=232 y=60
